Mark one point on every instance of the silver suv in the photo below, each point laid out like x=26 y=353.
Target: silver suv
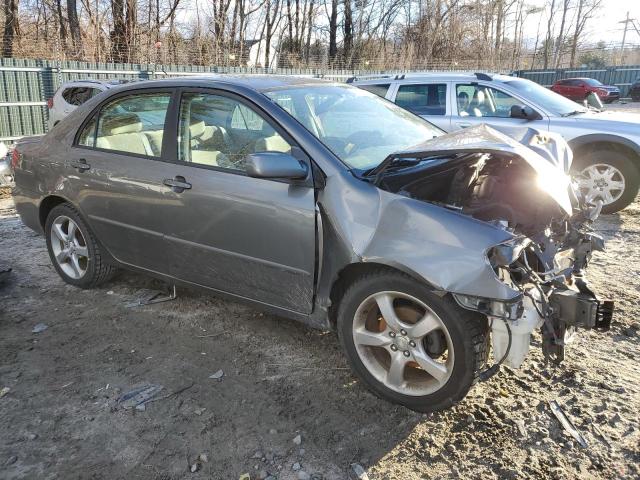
x=72 y=94
x=606 y=145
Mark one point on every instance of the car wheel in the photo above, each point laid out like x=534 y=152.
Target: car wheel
x=607 y=175
x=409 y=345
x=73 y=249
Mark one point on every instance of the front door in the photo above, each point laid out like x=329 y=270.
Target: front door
x=477 y=103
x=120 y=170
x=251 y=237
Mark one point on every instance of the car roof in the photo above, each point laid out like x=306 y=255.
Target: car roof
x=257 y=82
x=433 y=76
x=105 y=83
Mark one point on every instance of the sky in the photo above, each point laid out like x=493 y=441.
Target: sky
x=604 y=26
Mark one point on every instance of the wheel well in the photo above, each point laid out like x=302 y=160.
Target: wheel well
x=347 y=276
x=48 y=204
x=604 y=145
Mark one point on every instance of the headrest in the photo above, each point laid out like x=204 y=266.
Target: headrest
x=197 y=129
x=117 y=125
x=463 y=96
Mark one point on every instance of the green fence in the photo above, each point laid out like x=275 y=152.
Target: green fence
x=622 y=77
x=27 y=84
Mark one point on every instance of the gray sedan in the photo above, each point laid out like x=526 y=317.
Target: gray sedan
x=327 y=204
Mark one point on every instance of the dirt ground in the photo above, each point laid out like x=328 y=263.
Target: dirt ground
x=287 y=405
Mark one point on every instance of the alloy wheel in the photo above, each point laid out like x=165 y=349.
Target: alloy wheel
x=403 y=343
x=601 y=181
x=69 y=247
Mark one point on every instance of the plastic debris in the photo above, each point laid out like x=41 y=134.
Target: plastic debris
x=40 y=327
x=360 y=472
x=138 y=396
x=245 y=476
x=218 y=375
x=297 y=440
x=4 y=391
x=566 y=423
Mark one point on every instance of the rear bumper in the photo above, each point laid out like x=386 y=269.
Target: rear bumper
x=27 y=205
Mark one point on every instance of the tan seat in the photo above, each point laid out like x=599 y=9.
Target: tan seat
x=274 y=143
x=123 y=133
x=204 y=157
x=155 y=140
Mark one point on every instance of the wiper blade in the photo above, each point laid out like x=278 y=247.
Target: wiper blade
x=575 y=112
x=392 y=161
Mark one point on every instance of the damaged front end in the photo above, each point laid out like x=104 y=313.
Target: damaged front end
x=521 y=187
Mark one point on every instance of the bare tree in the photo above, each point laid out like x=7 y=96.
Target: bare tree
x=11 y=28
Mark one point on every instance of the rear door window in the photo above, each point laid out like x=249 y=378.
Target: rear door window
x=423 y=99
x=380 y=90
x=129 y=124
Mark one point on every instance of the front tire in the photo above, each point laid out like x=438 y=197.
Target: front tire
x=607 y=175
x=74 y=250
x=409 y=345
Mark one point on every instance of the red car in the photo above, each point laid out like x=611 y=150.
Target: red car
x=577 y=89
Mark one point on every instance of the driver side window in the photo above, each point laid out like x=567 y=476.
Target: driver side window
x=219 y=131
x=482 y=101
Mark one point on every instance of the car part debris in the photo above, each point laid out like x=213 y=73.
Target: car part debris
x=150 y=297
x=138 y=396
x=217 y=376
x=359 y=471
x=566 y=423
x=39 y=328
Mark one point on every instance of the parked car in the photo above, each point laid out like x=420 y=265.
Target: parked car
x=606 y=145
x=326 y=204
x=634 y=91
x=578 y=89
x=72 y=94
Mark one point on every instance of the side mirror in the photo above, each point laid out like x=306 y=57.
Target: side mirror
x=274 y=165
x=594 y=101
x=524 y=112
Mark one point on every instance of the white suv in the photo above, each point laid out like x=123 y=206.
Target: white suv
x=72 y=94
x=606 y=145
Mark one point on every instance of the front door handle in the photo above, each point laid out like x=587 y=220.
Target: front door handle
x=463 y=124
x=81 y=165
x=178 y=184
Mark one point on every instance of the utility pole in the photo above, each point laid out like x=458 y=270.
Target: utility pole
x=624 y=37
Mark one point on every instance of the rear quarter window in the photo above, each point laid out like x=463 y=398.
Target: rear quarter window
x=380 y=90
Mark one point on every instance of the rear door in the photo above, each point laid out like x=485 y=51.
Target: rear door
x=118 y=165
x=426 y=99
x=251 y=237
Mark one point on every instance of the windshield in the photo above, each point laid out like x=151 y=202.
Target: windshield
x=592 y=82
x=359 y=127
x=539 y=95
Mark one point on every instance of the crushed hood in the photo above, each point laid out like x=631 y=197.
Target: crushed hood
x=547 y=154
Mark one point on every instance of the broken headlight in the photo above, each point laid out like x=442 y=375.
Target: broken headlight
x=504 y=254
x=509 y=309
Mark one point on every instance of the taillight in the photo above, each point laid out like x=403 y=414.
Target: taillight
x=15 y=158
x=50 y=102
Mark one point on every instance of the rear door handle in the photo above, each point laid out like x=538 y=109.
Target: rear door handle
x=178 y=184
x=81 y=165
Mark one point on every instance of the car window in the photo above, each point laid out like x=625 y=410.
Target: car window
x=483 y=101
x=78 y=95
x=220 y=131
x=131 y=124
x=380 y=90
x=426 y=99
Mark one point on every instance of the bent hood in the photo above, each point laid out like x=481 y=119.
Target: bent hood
x=547 y=154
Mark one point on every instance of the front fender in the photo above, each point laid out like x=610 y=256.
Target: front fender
x=444 y=248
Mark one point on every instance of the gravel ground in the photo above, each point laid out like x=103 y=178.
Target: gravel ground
x=286 y=400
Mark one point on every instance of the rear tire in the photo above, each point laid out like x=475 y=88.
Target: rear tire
x=74 y=251
x=456 y=341
x=596 y=166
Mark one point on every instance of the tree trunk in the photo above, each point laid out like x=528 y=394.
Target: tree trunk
x=10 y=27
x=117 y=34
x=74 y=28
x=348 y=33
x=333 y=31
